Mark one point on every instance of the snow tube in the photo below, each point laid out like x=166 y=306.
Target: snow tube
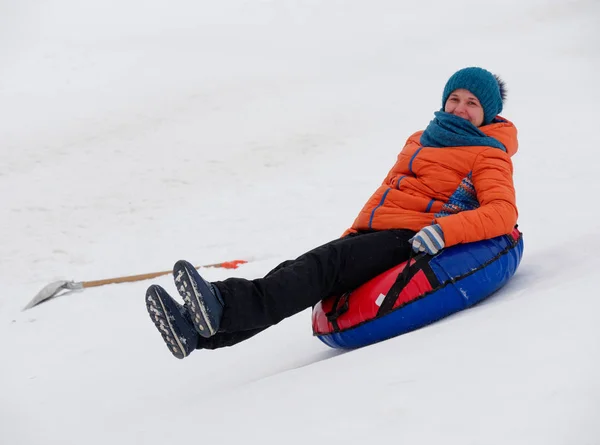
x=404 y=299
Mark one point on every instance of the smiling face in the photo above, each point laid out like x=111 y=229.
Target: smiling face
x=464 y=104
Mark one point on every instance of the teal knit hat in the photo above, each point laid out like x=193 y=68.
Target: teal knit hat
x=487 y=87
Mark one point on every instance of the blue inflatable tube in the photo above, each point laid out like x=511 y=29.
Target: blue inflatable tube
x=433 y=288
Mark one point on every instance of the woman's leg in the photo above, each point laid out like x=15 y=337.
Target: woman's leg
x=224 y=339
x=331 y=269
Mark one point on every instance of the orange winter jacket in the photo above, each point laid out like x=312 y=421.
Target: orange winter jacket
x=468 y=191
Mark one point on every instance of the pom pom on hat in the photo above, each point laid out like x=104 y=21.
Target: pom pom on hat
x=487 y=87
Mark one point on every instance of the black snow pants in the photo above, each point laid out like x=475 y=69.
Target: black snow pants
x=334 y=268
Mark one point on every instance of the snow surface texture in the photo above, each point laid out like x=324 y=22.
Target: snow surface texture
x=137 y=133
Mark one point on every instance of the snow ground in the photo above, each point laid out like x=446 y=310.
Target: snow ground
x=138 y=133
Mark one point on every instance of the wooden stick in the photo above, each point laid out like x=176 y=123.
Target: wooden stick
x=146 y=276
x=54 y=289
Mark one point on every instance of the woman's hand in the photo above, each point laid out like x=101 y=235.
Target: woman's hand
x=429 y=239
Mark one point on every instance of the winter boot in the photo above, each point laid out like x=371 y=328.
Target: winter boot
x=172 y=321
x=202 y=299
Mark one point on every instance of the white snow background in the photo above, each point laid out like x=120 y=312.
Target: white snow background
x=135 y=133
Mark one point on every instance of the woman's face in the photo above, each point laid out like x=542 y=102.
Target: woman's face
x=464 y=104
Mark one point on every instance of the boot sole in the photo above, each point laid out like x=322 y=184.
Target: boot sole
x=163 y=320
x=193 y=298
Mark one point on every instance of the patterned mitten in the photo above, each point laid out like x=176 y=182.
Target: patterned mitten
x=429 y=239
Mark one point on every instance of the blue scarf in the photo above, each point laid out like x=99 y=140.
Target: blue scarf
x=448 y=130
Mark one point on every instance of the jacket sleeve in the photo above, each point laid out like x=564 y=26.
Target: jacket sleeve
x=497 y=215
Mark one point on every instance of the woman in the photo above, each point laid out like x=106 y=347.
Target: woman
x=452 y=183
